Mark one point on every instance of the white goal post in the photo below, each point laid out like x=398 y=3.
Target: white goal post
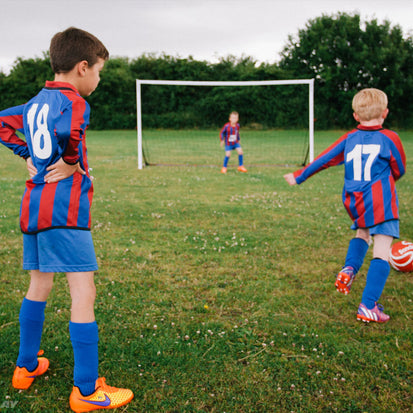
x=309 y=82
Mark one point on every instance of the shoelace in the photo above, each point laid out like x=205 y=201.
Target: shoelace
x=380 y=308
x=105 y=387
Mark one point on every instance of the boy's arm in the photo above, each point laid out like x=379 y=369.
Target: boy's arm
x=78 y=111
x=332 y=156
x=398 y=156
x=11 y=120
x=222 y=134
x=69 y=163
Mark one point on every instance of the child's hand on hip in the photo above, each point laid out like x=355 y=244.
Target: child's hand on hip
x=62 y=170
x=30 y=167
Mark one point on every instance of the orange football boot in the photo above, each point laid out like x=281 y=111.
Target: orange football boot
x=224 y=170
x=242 y=169
x=22 y=378
x=104 y=397
x=344 y=280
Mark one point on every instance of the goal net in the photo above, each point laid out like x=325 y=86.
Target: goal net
x=179 y=122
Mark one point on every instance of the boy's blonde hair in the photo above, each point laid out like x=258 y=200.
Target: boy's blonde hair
x=369 y=104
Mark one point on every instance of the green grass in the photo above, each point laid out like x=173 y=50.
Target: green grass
x=215 y=293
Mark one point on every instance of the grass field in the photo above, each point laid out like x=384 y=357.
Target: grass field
x=215 y=293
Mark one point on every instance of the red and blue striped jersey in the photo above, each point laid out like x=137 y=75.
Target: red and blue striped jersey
x=54 y=124
x=230 y=134
x=373 y=160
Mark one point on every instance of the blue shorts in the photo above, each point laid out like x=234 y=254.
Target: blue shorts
x=390 y=228
x=232 y=147
x=59 y=250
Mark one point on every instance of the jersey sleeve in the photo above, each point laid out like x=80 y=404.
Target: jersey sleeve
x=77 y=129
x=223 y=133
x=398 y=156
x=11 y=120
x=332 y=156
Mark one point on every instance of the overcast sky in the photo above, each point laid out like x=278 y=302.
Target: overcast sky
x=205 y=29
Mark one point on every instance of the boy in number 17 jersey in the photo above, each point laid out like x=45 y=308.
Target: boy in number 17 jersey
x=373 y=160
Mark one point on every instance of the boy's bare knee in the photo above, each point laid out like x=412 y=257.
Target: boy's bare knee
x=363 y=234
x=41 y=283
x=85 y=295
x=82 y=288
x=382 y=244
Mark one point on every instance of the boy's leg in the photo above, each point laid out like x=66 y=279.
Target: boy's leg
x=357 y=250
x=240 y=156
x=84 y=331
x=89 y=392
x=356 y=253
x=241 y=167
x=378 y=271
x=226 y=159
x=28 y=365
x=32 y=317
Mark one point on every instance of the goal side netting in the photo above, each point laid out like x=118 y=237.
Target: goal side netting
x=179 y=122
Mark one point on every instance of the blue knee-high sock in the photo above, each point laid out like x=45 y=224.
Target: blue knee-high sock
x=240 y=159
x=226 y=159
x=357 y=250
x=376 y=279
x=31 y=326
x=85 y=337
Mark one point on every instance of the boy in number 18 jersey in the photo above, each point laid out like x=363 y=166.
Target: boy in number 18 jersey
x=55 y=215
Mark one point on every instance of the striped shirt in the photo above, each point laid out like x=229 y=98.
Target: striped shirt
x=373 y=160
x=54 y=124
x=230 y=134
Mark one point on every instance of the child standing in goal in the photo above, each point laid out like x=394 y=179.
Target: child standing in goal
x=230 y=138
x=373 y=160
x=55 y=215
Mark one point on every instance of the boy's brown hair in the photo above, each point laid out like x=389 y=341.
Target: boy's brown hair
x=72 y=46
x=369 y=104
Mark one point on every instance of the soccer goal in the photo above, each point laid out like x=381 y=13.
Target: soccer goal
x=179 y=122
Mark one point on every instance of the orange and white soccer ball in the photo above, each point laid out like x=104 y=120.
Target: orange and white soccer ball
x=401 y=256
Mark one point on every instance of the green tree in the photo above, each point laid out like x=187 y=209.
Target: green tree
x=25 y=80
x=345 y=55
x=113 y=103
